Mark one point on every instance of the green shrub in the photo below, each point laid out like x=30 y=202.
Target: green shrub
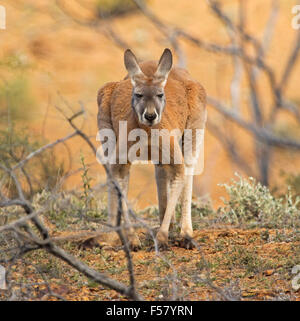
x=293 y=180
x=66 y=209
x=251 y=202
x=16 y=100
x=247 y=259
x=41 y=172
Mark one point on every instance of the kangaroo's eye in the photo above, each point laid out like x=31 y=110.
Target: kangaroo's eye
x=160 y=95
x=138 y=95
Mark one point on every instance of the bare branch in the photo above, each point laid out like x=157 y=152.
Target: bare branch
x=86 y=270
x=268 y=33
x=290 y=62
x=95 y=24
x=230 y=147
x=259 y=132
x=47 y=244
x=169 y=33
x=43 y=148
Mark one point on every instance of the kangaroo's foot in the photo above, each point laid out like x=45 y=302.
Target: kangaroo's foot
x=162 y=239
x=134 y=242
x=186 y=242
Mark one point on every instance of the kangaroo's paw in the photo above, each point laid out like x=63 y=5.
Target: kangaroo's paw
x=134 y=242
x=187 y=243
x=162 y=239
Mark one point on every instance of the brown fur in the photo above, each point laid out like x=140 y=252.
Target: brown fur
x=185 y=108
x=185 y=98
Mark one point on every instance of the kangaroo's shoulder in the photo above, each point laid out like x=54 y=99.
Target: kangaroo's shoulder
x=104 y=101
x=113 y=93
x=192 y=86
x=105 y=92
x=195 y=95
x=113 y=102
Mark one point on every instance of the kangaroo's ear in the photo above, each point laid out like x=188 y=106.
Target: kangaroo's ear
x=132 y=65
x=164 y=65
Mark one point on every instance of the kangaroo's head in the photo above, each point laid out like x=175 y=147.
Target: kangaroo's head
x=148 y=97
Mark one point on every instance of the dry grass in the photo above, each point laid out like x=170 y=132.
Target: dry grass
x=245 y=263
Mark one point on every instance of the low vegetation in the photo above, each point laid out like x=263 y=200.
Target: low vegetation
x=247 y=249
x=252 y=203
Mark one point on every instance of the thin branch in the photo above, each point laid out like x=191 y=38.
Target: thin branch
x=268 y=32
x=96 y=276
x=95 y=24
x=230 y=147
x=259 y=132
x=169 y=33
x=290 y=62
x=43 y=148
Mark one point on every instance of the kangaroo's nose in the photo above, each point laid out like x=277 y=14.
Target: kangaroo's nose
x=150 y=117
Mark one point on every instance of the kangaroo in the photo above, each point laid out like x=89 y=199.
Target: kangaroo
x=155 y=96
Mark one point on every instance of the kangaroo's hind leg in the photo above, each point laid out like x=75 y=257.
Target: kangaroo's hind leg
x=193 y=166
x=162 y=184
x=176 y=175
x=120 y=174
x=186 y=204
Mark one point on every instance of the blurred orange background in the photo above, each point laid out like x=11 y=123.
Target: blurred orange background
x=70 y=62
